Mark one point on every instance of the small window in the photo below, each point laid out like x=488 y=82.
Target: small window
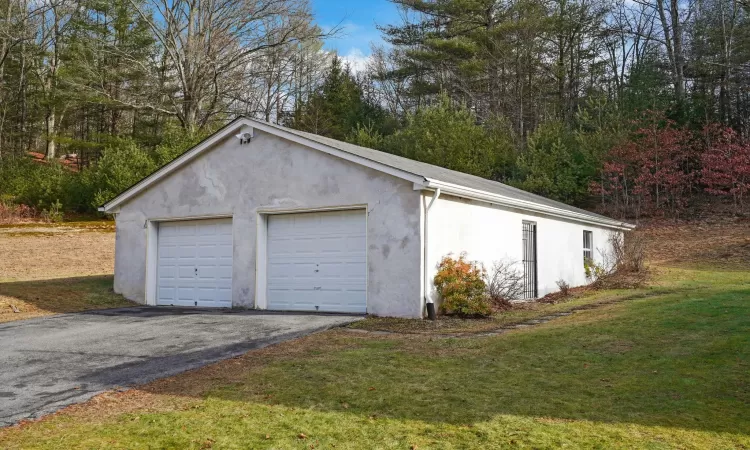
x=588 y=246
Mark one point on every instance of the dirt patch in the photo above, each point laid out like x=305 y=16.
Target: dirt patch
x=720 y=243
x=56 y=255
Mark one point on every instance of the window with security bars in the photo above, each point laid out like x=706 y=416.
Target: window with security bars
x=588 y=246
x=529 y=260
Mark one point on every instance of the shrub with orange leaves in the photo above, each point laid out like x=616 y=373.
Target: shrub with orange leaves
x=461 y=285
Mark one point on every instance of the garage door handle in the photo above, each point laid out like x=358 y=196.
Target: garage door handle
x=317 y=288
x=196 y=271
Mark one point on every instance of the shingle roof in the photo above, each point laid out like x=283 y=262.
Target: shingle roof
x=442 y=174
x=451 y=181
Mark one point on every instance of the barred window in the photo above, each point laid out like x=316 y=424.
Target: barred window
x=588 y=246
x=529 y=260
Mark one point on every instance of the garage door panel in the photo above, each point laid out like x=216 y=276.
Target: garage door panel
x=207 y=250
x=293 y=268
x=167 y=272
x=224 y=273
x=343 y=271
x=299 y=247
x=185 y=252
x=167 y=291
x=195 y=263
x=209 y=294
x=206 y=273
x=185 y=272
x=342 y=284
x=339 y=302
x=317 y=262
x=185 y=293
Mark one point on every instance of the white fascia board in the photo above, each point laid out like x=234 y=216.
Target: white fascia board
x=488 y=197
x=231 y=129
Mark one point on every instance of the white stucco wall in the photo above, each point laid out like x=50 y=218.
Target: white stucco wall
x=488 y=233
x=273 y=173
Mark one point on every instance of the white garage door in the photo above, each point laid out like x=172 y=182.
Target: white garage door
x=318 y=262
x=195 y=263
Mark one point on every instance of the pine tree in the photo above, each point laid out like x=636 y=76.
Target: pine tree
x=338 y=107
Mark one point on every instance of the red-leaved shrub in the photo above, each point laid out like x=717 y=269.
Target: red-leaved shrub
x=726 y=164
x=655 y=170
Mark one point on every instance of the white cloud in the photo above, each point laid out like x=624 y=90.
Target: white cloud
x=356 y=59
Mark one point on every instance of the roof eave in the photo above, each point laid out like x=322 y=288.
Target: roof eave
x=173 y=165
x=418 y=180
x=231 y=128
x=488 y=197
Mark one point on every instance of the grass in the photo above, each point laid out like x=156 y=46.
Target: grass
x=452 y=325
x=668 y=369
x=35 y=298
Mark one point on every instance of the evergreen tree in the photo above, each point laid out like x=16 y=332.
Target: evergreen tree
x=107 y=68
x=338 y=107
x=450 y=137
x=553 y=165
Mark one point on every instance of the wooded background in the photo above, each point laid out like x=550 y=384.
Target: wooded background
x=631 y=107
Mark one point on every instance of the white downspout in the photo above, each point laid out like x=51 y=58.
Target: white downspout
x=427 y=298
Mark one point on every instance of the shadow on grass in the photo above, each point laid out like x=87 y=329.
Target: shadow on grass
x=61 y=295
x=679 y=360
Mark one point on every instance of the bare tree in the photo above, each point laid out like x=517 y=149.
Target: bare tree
x=279 y=77
x=389 y=91
x=52 y=27
x=673 y=15
x=629 y=36
x=208 y=46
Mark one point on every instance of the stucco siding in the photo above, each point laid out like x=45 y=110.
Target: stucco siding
x=268 y=174
x=489 y=233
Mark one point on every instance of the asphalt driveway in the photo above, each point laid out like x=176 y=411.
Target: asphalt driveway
x=51 y=362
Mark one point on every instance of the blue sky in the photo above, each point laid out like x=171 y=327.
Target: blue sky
x=358 y=18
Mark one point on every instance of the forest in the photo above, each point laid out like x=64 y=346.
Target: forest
x=629 y=107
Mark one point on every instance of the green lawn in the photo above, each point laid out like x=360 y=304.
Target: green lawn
x=668 y=370
x=35 y=298
x=522 y=312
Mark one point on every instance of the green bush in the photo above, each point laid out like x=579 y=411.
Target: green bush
x=54 y=213
x=461 y=286
x=175 y=141
x=33 y=184
x=120 y=166
x=450 y=137
x=553 y=164
x=122 y=163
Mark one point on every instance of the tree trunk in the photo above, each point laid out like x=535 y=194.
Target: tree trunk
x=678 y=55
x=51 y=129
x=673 y=43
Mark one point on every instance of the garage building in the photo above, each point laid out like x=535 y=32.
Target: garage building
x=262 y=216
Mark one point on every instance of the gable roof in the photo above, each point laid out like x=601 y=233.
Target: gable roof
x=423 y=175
